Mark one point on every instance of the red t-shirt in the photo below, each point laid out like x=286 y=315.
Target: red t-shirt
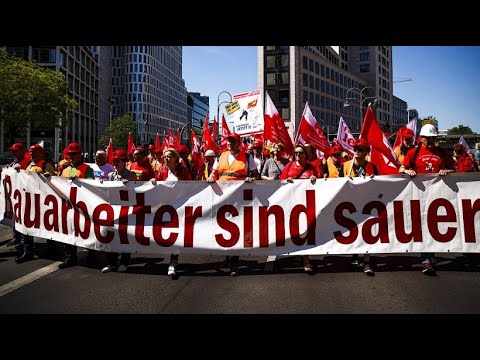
x=429 y=160
x=292 y=170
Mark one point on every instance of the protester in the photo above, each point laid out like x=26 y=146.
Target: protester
x=334 y=162
x=234 y=164
x=357 y=167
x=101 y=168
x=208 y=165
x=273 y=167
x=427 y=158
x=407 y=143
x=141 y=165
x=120 y=173
x=300 y=168
x=173 y=170
x=76 y=169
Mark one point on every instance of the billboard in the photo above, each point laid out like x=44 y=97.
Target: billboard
x=248 y=119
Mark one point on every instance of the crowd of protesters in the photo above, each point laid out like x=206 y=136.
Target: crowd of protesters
x=240 y=161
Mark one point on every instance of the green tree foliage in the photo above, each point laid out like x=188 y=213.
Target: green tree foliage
x=460 y=130
x=30 y=93
x=118 y=131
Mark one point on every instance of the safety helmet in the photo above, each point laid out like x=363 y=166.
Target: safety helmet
x=428 y=130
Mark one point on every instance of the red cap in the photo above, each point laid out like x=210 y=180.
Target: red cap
x=74 y=147
x=258 y=144
x=36 y=147
x=120 y=154
x=151 y=147
x=139 y=147
x=407 y=133
x=337 y=149
x=234 y=136
x=17 y=146
x=183 y=149
x=361 y=143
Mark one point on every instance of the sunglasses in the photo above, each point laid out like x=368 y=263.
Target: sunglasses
x=73 y=153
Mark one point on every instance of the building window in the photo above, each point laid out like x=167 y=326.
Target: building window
x=305 y=63
x=364 y=68
x=364 y=56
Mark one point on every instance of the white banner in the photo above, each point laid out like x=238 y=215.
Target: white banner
x=383 y=214
x=248 y=119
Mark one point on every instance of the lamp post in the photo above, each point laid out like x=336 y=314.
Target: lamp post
x=360 y=100
x=220 y=103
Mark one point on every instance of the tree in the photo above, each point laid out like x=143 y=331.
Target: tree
x=118 y=131
x=460 y=130
x=30 y=94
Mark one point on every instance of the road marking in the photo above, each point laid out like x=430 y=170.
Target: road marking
x=24 y=280
x=270 y=263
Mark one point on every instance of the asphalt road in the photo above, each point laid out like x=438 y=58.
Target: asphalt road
x=203 y=286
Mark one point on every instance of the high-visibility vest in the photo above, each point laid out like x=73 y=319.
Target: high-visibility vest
x=332 y=169
x=348 y=167
x=236 y=171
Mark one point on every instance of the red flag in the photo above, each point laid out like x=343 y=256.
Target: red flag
x=274 y=127
x=130 y=145
x=225 y=134
x=197 y=157
x=165 y=144
x=375 y=136
x=345 y=137
x=311 y=132
x=158 y=145
x=171 y=139
x=109 y=152
x=178 y=141
x=412 y=125
x=215 y=131
x=208 y=142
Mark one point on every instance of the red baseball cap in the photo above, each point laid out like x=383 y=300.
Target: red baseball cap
x=74 y=147
x=36 y=147
x=407 y=133
x=120 y=154
x=234 y=136
x=337 y=149
x=17 y=146
x=362 y=144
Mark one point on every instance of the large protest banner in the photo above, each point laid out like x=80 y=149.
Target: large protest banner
x=382 y=214
x=248 y=119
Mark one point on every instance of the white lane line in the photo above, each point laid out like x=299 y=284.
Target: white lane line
x=270 y=263
x=24 y=280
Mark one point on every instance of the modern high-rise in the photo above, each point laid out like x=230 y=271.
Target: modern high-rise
x=82 y=74
x=400 y=114
x=103 y=55
x=147 y=84
x=326 y=77
x=198 y=107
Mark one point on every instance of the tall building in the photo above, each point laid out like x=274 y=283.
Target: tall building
x=327 y=77
x=82 y=74
x=400 y=114
x=103 y=55
x=197 y=110
x=148 y=85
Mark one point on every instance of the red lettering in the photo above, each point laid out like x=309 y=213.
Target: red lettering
x=264 y=213
x=66 y=207
x=50 y=217
x=97 y=222
x=140 y=209
x=381 y=220
x=159 y=224
x=190 y=218
x=8 y=197
x=85 y=233
x=17 y=209
x=415 y=220
x=309 y=210
x=227 y=225
x=346 y=223
x=248 y=226
x=469 y=212
x=28 y=208
x=123 y=219
x=433 y=219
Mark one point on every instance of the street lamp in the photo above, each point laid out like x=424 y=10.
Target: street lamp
x=360 y=100
x=220 y=103
x=110 y=108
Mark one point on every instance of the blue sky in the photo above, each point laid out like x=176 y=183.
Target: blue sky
x=446 y=79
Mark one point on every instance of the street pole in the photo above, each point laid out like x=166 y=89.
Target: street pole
x=218 y=107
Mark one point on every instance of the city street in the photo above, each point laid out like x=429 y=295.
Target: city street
x=203 y=286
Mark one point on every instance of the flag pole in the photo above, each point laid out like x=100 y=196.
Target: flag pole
x=303 y=115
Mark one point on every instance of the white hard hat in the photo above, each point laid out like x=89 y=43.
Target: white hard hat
x=209 y=153
x=428 y=130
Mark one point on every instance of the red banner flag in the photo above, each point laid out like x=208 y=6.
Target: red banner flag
x=274 y=127
x=197 y=157
x=171 y=139
x=178 y=141
x=109 y=152
x=158 y=144
x=225 y=134
x=215 y=131
x=208 y=142
x=372 y=132
x=130 y=145
x=312 y=133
